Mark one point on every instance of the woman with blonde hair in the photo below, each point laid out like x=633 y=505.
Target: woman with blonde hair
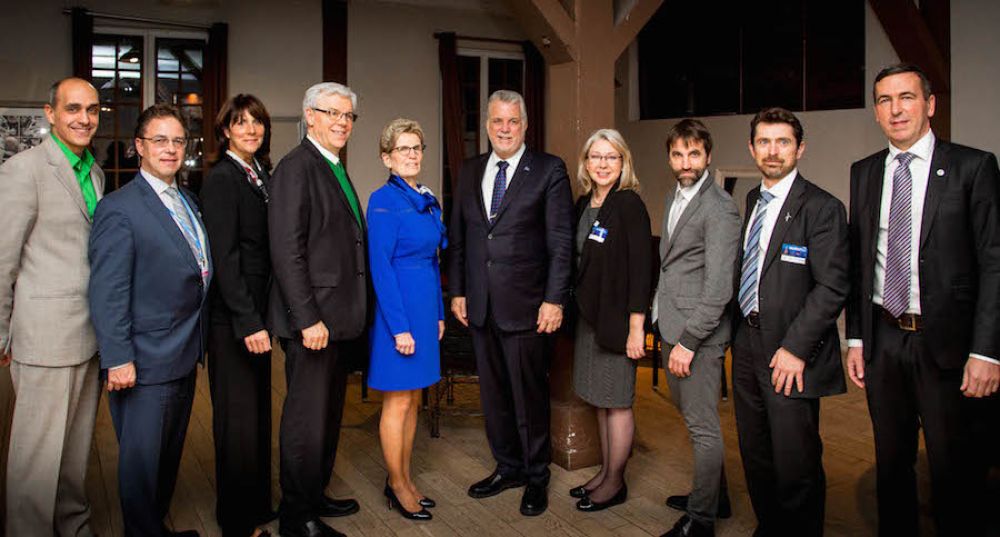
x=613 y=256
x=405 y=234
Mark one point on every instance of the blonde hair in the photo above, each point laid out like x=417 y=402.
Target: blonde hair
x=627 y=180
x=394 y=130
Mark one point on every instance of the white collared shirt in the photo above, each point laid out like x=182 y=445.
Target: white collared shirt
x=920 y=172
x=780 y=191
x=324 y=151
x=682 y=197
x=490 y=174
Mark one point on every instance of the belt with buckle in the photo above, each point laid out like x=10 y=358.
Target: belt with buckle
x=753 y=319
x=909 y=322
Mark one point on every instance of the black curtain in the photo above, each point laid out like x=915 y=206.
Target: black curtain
x=451 y=106
x=216 y=81
x=83 y=42
x=534 y=96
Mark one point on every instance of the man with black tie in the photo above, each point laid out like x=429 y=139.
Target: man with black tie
x=922 y=317
x=509 y=274
x=320 y=304
x=149 y=271
x=790 y=285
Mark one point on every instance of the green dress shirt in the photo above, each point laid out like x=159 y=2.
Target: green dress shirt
x=81 y=168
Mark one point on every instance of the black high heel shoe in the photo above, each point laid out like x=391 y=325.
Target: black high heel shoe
x=588 y=505
x=393 y=502
x=427 y=502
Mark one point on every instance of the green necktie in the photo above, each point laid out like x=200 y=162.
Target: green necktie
x=352 y=198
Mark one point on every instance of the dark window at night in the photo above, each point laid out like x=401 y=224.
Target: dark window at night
x=701 y=59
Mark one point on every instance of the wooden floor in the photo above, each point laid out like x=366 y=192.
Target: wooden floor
x=444 y=467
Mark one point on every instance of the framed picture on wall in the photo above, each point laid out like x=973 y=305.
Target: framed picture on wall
x=21 y=127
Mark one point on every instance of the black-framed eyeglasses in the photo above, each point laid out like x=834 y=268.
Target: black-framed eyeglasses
x=409 y=150
x=336 y=115
x=162 y=141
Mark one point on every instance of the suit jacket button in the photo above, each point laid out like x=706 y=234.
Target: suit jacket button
x=489 y=263
x=361 y=273
x=490 y=236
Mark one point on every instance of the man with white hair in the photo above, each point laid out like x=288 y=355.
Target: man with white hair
x=319 y=304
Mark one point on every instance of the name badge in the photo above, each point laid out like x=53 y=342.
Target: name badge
x=791 y=253
x=598 y=233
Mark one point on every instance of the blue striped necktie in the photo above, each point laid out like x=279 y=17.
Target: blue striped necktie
x=896 y=291
x=499 y=188
x=748 y=278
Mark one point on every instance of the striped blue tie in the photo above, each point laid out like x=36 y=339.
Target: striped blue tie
x=748 y=280
x=896 y=291
x=499 y=188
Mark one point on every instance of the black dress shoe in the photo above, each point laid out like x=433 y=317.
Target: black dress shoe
x=494 y=484
x=588 y=505
x=688 y=527
x=535 y=500
x=681 y=504
x=394 y=503
x=309 y=528
x=334 y=508
x=578 y=492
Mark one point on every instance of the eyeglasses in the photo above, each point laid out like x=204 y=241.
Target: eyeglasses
x=610 y=159
x=337 y=115
x=161 y=142
x=416 y=149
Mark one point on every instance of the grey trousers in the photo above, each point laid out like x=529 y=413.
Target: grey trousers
x=49 y=448
x=697 y=397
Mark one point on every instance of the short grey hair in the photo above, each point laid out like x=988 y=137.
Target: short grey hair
x=510 y=97
x=323 y=89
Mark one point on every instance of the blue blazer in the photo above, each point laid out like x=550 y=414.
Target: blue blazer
x=146 y=294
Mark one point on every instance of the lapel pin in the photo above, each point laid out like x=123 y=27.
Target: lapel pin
x=788 y=216
x=940 y=172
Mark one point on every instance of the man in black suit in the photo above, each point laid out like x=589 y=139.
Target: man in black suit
x=922 y=316
x=790 y=284
x=319 y=305
x=509 y=274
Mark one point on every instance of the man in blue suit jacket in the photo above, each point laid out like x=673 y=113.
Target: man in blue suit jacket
x=150 y=269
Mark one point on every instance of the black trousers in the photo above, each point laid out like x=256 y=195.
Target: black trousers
x=151 y=422
x=907 y=391
x=310 y=426
x=513 y=372
x=240 y=383
x=780 y=445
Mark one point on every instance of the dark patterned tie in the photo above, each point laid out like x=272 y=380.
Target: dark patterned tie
x=896 y=291
x=499 y=188
x=748 y=280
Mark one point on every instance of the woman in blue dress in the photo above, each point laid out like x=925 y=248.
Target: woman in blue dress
x=405 y=233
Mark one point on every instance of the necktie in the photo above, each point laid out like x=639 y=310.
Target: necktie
x=748 y=280
x=676 y=210
x=499 y=188
x=255 y=181
x=187 y=227
x=896 y=291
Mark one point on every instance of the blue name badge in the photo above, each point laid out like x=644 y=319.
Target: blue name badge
x=791 y=253
x=598 y=233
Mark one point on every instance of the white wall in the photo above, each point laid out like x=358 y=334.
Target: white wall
x=975 y=73
x=834 y=139
x=393 y=67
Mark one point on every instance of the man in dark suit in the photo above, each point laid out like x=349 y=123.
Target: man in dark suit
x=150 y=269
x=922 y=317
x=319 y=305
x=790 y=284
x=509 y=274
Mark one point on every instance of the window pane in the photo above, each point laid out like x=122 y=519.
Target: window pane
x=772 y=55
x=106 y=121
x=125 y=121
x=167 y=85
x=506 y=74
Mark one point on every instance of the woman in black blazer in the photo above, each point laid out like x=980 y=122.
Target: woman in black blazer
x=234 y=205
x=613 y=256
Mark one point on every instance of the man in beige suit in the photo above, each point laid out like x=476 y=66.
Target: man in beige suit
x=49 y=193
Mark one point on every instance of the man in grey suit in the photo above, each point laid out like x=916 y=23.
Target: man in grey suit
x=49 y=193
x=701 y=229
